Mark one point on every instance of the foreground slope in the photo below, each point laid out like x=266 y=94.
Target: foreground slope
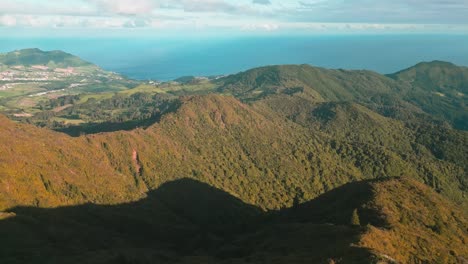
x=395 y=221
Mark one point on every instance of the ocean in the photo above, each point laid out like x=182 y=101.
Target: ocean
x=167 y=58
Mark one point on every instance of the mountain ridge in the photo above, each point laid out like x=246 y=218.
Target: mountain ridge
x=284 y=164
x=35 y=56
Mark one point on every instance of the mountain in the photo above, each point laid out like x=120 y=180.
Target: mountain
x=233 y=146
x=392 y=95
x=185 y=221
x=279 y=164
x=439 y=88
x=53 y=59
x=315 y=84
x=435 y=76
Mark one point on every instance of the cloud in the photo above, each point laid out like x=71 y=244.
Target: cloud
x=8 y=21
x=262 y=2
x=251 y=15
x=388 y=11
x=209 y=6
x=125 y=7
x=261 y=27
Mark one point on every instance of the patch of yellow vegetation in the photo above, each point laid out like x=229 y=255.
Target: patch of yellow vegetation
x=423 y=227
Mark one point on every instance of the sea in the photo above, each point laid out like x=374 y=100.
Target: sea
x=167 y=58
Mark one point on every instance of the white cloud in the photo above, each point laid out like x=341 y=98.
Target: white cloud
x=8 y=20
x=125 y=7
x=251 y=15
x=261 y=27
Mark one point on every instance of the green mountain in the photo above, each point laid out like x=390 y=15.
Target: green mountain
x=279 y=164
x=435 y=76
x=53 y=59
x=315 y=84
x=392 y=95
x=236 y=147
x=438 y=88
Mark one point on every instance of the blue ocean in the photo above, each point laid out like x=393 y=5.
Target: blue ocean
x=167 y=58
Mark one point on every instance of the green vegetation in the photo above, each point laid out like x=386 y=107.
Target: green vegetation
x=440 y=89
x=395 y=95
x=355 y=218
x=30 y=78
x=53 y=59
x=241 y=149
x=330 y=145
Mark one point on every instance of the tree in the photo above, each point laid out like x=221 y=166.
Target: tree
x=355 y=218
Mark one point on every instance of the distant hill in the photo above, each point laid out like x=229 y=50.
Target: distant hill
x=438 y=89
x=436 y=76
x=317 y=84
x=53 y=59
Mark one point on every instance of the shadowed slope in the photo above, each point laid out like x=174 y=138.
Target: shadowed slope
x=185 y=221
x=179 y=218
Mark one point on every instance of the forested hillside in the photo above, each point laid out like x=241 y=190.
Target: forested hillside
x=236 y=147
x=280 y=164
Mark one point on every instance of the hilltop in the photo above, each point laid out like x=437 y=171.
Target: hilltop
x=51 y=59
x=436 y=75
x=392 y=95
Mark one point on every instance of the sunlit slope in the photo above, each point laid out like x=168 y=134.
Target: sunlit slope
x=402 y=220
x=249 y=151
x=44 y=168
x=437 y=89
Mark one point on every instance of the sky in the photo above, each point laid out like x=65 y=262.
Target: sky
x=97 y=17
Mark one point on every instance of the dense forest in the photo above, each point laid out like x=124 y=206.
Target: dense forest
x=279 y=164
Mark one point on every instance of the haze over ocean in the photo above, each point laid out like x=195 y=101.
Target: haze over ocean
x=172 y=57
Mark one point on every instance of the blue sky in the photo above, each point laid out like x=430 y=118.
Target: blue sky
x=229 y=16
